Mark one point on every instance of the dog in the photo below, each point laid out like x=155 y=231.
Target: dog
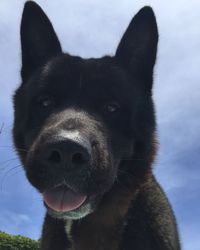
x=85 y=132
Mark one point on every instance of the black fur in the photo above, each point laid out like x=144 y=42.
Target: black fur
x=109 y=102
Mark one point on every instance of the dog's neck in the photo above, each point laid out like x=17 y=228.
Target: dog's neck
x=103 y=228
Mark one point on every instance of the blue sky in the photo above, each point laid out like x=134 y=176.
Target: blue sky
x=92 y=29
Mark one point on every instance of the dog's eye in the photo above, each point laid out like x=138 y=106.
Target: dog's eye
x=111 y=107
x=45 y=102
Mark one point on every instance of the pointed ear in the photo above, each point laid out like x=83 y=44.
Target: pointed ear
x=38 y=39
x=137 y=48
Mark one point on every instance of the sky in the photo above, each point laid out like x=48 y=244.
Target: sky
x=93 y=28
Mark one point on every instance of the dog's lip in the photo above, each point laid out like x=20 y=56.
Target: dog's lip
x=61 y=198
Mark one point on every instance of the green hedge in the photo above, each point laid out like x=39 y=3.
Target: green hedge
x=9 y=242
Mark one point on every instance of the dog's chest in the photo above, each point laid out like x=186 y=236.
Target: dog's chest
x=103 y=229
x=92 y=236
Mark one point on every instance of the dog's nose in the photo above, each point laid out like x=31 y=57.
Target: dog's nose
x=68 y=153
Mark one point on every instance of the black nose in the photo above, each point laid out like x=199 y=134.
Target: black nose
x=67 y=153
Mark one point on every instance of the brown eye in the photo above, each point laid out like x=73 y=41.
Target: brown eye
x=111 y=107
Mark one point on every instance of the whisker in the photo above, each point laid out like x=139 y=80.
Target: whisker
x=1 y=128
x=16 y=172
x=13 y=148
x=7 y=174
x=6 y=162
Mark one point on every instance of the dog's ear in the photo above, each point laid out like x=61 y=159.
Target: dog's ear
x=137 y=48
x=38 y=39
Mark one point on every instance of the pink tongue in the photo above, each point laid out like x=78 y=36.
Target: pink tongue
x=62 y=199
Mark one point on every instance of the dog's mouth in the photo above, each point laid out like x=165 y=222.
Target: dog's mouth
x=63 y=199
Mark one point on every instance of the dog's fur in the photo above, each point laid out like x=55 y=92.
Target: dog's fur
x=107 y=103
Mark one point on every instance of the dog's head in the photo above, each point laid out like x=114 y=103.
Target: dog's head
x=81 y=124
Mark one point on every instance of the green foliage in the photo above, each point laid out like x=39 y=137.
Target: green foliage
x=9 y=242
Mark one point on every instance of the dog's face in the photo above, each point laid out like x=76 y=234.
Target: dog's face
x=80 y=122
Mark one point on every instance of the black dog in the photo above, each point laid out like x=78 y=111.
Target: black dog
x=85 y=132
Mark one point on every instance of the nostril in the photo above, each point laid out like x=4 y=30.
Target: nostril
x=55 y=156
x=79 y=159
